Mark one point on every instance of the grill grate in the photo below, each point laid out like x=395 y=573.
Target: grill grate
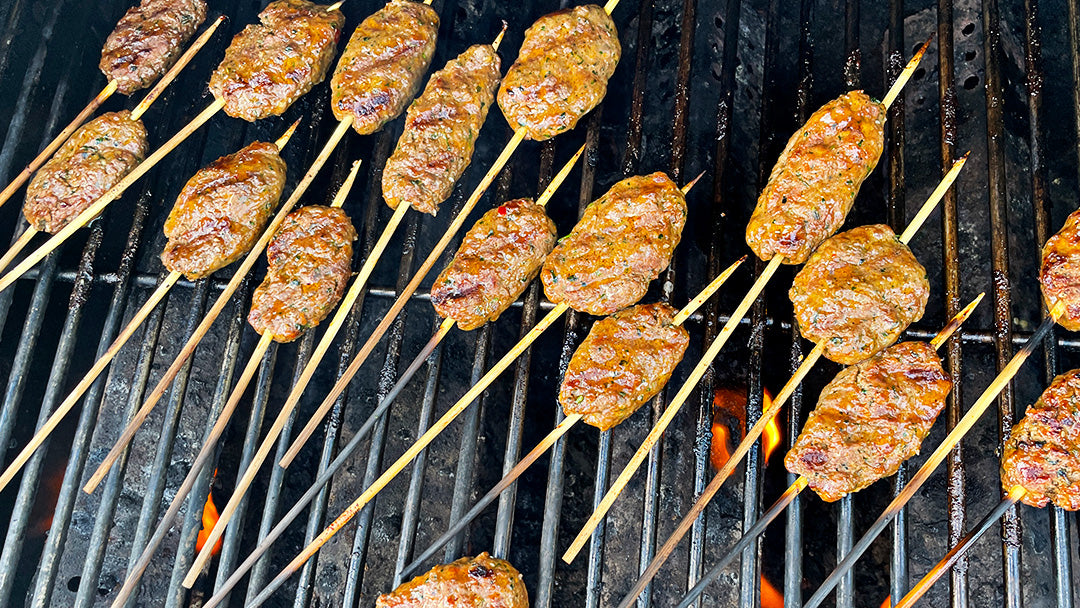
x=704 y=84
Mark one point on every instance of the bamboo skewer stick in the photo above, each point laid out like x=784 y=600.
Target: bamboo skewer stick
x=953 y=438
x=462 y=404
x=560 y=430
x=99 y=366
x=201 y=460
x=357 y=438
x=95 y=103
x=710 y=355
x=785 y=393
x=219 y=305
x=787 y=497
x=1015 y=494
x=210 y=444
x=13 y=252
x=112 y=194
x=225 y=516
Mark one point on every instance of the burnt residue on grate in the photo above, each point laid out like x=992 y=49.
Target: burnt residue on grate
x=711 y=85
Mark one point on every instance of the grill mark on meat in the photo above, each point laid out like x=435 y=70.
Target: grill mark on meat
x=94 y=159
x=222 y=210
x=470 y=582
x=146 y=41
x=624 y=240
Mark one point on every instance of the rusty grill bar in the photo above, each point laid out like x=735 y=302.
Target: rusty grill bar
x=704 y=84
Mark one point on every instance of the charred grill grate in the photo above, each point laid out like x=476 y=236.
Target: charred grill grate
x=715 y=85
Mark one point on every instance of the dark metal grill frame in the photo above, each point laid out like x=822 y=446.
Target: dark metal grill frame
x=709 y=84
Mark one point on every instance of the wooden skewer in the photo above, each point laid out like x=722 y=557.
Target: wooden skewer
x=338 y=320
x=559 y=431
x=714 y=349
x=462 y=404
x=201 y=460
x=219 y=305
x=905 y=76
x=95 y=103
x=211 y=441
x=279 y=423
x=17 y=246
x=785 y=499
x=1016 y=493
x=953 y=438
x=112 y=194
x=785 y=393
x=99 y=366
x=404 y=296
x=357 y=438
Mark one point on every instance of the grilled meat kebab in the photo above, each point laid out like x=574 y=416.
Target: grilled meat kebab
x=146 y=41
x=271 y=64
x=497 y=259
x=97 y=156
x=622 y=242
x=379 y=72
x=222 y=210
x=814 y=183
x=869 y=419
x=470 y=582
x=441 y=127
x=310 y=261
x=858 y=292
x=1042 y=454
x=561 y=72
x=623 y=363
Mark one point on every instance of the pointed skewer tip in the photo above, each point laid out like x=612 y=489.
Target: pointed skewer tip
x=287 y=135
x=686 y=189
x=499 y=38
x=335 y=6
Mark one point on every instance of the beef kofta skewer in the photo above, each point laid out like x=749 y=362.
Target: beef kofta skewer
x=621 y=243
x=216 y=219
x=410 y=47
x=1040 y=465
x=867 y=266
x=648 y=340
x=309 y=264
x=810 y=191
x=107 y=149
x=521 y=258
x=144 y=45
x=441 y=129
x=869 y=419
x=1059 y=279
x=266 y=67
x=470 y=582
x=563 y=68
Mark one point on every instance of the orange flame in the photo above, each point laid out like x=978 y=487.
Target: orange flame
x=887 y=603
x=719 y=451
x=771 y=438
x=209 y=519
x=770 y=597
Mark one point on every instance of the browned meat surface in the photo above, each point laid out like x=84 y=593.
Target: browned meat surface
x=222 y=210
x=561 y=71
x=1060 y=272
x=622 y=242
x=309 y=262
x=380 y=70
x=497 y=259
x=624 y=361
x=97 y=156
x=147 y=41
x=858 y=292
x=470 y=582
x=871 y=418
x=1042 y=454
x=441 y=128
x=271 y=64
x=815 y=181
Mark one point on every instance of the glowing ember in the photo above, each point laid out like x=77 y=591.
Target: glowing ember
x=719 y=451
x=770 y=597
x=209 y=518
x=729 y=407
